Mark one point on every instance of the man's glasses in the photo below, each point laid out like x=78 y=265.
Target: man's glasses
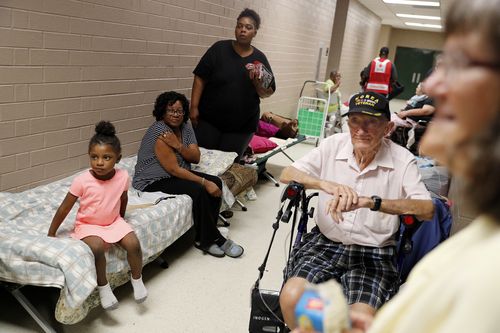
x=356 y=123
x=173 y=112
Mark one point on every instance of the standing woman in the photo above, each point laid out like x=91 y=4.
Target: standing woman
x=227 y=87
x=164 y=164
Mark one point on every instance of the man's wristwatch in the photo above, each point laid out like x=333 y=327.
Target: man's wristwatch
x=377 y=201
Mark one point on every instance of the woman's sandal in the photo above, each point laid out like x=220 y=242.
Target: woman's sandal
x=232 y=249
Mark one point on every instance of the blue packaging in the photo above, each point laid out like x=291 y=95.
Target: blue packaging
x=309 y=311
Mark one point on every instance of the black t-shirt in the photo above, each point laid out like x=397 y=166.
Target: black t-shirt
x=229 y=100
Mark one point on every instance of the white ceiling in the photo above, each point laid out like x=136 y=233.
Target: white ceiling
x=387 y=12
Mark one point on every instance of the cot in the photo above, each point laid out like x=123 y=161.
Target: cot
x=29 y=257
x=282 y=145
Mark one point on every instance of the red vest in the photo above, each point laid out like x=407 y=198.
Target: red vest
x=380 y=76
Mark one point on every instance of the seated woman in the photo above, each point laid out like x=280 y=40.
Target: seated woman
x=412 y=120
x=164 y=164
x=271 y=124
x=418 y=108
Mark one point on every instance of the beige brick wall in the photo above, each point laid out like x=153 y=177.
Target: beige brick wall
x=64 y=65
x=359 y=46
x=416 y=39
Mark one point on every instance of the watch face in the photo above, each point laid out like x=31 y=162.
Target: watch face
x=377 y=201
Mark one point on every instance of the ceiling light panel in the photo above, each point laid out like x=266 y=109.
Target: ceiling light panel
x=421 y=17
x=424 y=25
x=413 y=3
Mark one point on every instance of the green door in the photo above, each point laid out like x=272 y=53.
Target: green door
x=412 y=66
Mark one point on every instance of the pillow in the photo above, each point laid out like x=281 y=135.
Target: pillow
x=266 y=129
x=214 y=162
x=260 y=144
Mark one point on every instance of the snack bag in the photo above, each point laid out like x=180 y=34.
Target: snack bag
x=264 y=74
x=323 y=308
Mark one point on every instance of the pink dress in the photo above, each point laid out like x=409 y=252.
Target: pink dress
x=99 y=212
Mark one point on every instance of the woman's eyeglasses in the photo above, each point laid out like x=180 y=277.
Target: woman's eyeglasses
x=172 y=112
x=456 y=62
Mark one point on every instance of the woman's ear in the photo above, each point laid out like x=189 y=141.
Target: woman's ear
x=119 y=158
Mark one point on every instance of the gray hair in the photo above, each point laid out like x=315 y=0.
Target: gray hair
x=481 y=16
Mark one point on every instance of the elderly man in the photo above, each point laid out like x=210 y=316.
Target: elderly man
x=365 y=182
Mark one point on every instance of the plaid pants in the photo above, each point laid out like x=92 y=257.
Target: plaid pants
x=367 y=274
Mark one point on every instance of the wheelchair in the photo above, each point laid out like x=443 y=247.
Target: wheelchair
x=414 y=238
x=265 y=313
x=409 y=137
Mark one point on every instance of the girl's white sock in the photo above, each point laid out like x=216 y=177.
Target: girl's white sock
x=140 y=291
x=108 y=299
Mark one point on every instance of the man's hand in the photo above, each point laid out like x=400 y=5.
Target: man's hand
x=344 y=199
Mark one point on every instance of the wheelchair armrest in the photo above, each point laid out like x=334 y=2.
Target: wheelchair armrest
x=410 y=221
x=411 y=225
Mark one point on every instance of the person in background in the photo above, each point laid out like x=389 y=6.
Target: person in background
x=419 y=107
x=271 y=124
x=418 y=97
x=229 y=81
x=102 y=191
x=380 y=74
x=164 y=164
x=365 y=182
x=332 y=85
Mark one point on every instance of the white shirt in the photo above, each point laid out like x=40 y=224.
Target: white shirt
x=453 y=289
x=393 y=174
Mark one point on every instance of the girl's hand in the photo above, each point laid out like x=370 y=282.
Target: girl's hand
x=212 y=188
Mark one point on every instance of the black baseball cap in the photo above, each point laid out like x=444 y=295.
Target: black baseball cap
x=370 y=103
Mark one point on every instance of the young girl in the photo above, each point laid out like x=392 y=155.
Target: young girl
x=102 y=191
